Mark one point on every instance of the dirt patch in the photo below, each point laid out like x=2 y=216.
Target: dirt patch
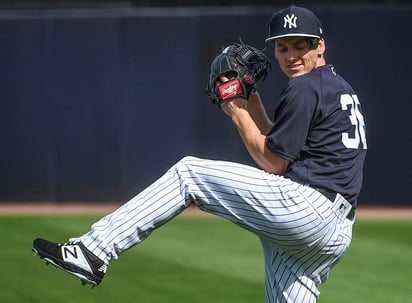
x=72 y=208
x=384 y=212
x=79 y=208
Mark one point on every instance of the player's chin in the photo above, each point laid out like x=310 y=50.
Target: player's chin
x=295 y=72
x=294 y=75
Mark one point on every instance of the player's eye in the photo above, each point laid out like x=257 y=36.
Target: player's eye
x=281 y=48
x=301 y=45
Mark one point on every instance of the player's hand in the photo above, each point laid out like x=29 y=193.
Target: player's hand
x=230 y=107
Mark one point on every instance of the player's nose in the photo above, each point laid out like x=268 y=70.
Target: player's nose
x=291 y=54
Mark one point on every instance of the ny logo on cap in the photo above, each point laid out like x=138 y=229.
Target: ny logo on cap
x=290 y=20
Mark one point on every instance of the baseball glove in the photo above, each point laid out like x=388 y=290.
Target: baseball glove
x=243 y=65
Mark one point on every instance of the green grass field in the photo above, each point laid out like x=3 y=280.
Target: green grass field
x=196 y=260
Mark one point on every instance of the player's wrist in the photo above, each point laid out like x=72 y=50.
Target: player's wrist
x=240 y=116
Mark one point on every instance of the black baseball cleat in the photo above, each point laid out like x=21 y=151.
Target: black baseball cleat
x=73 y=258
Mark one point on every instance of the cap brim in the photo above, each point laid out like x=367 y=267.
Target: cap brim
x=291 y=35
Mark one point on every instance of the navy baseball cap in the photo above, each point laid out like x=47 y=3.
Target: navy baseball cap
x=294 y=21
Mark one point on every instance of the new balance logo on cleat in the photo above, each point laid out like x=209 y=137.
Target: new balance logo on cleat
x=69 y=250
x=74 y=255
x=73 y=258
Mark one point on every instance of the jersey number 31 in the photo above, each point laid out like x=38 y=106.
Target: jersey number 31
x=357 y=121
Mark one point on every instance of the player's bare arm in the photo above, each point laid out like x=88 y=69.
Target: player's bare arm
x=253 y=138
x=255 y=108
x=258 y=113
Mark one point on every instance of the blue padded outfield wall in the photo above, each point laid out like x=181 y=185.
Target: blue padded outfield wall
x=96 y=104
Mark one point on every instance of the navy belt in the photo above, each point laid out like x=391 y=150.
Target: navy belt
x=332 y=196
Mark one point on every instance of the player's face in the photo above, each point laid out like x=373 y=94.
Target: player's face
x=296 y=58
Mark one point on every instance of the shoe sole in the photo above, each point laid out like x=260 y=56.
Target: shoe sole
x=82 y=278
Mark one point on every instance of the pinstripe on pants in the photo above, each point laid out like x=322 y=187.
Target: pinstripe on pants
x=301 y=234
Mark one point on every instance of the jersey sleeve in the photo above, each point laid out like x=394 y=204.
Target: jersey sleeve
x=292 y=120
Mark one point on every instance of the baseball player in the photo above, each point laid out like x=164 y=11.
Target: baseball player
x=300 y=200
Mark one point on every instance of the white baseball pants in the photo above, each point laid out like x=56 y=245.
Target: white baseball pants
x=303 y=234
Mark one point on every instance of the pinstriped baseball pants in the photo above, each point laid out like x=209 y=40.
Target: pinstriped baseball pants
x=303 y=234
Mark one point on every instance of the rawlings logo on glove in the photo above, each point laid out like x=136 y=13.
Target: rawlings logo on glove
x=243 y=65
x=249 y=78
x=230 y=89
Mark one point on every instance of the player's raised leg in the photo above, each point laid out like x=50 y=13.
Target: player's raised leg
x=266 y=204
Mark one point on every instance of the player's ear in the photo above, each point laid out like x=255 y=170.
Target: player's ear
x=321 y=49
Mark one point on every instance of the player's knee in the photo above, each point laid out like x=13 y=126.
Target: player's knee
x=187 y=164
